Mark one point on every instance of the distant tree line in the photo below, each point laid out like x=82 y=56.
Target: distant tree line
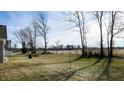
x=66 y=47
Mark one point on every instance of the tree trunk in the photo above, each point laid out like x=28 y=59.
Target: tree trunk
x=111 y=41
x=24 y=49
x=45 y=45
x=101 y=40
x=82 y=44
x=108 y=43
x=113 y=14
x=81 y=35
x=34 y=50
x=111 y=46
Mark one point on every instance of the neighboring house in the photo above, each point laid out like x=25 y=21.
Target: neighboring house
x=3 y=38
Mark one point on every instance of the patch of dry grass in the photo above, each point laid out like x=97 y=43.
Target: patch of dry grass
x=56 y=67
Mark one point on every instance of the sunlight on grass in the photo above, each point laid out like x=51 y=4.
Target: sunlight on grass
x=57 y=67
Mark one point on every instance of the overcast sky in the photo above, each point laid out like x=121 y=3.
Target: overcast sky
x=58 y=28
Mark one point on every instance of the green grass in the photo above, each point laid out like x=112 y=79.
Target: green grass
x=56 y=67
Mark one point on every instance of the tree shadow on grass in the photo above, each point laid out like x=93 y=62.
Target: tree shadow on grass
x=69 y=74
x=105 y=75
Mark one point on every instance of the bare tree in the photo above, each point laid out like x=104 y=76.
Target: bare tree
x=78 y=19
x=99 y=17
x=43 y=28
x=115 y=26
x=22 y=39
x=107 y=26
x=30 y=38
x=27 y=38
x=34 y=28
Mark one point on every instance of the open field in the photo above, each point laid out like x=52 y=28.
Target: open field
x=57 y=67
x=116 y=52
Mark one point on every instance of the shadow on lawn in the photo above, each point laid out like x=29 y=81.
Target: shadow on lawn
x=67 y=75
x=105 y=75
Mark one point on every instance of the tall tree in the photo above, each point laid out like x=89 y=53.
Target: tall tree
x=34 y=28
x=117 y=26
x=99 y=17
x=42 y=22
x=113 y=16
x=30 y=38
x=78 y=19
x=22 y=39
x=26 y=38
x=108 y=26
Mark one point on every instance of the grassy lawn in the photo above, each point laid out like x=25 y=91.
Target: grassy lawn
x=57 y=67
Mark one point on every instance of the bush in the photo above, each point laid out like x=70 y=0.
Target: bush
x=24 y=50
x=30 y=56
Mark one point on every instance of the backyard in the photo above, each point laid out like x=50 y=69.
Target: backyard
x=61 y=67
